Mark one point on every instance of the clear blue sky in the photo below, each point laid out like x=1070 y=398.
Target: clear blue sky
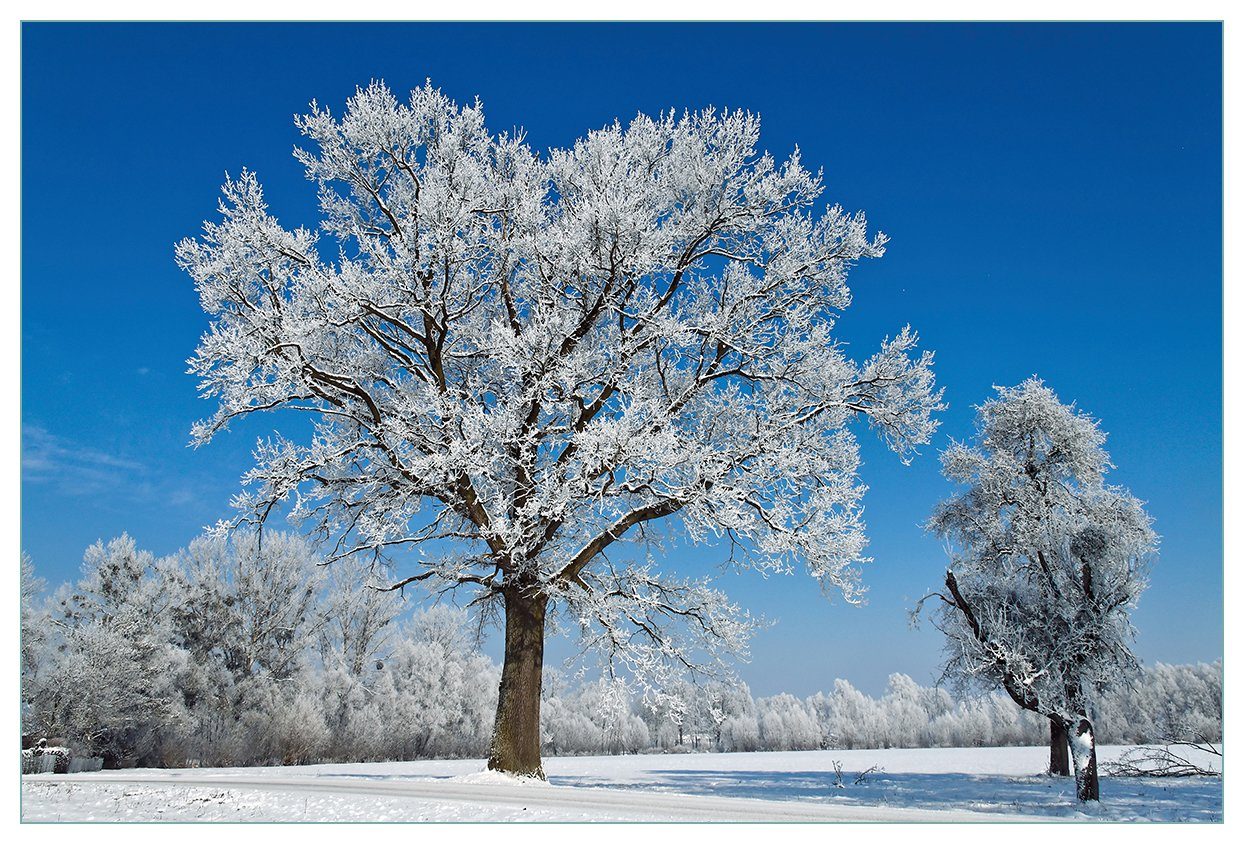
x=1053 y=195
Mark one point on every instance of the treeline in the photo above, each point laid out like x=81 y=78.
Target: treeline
x=1166 y=702
x=241 y=652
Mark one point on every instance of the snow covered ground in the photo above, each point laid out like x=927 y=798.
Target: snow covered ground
x=969 y=784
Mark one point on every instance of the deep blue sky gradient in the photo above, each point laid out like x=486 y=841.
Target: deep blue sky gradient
x=1053 y=195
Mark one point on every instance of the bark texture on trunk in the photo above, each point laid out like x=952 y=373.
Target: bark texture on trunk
x=1084 y=757
x=1060 y=762
x=516 y=733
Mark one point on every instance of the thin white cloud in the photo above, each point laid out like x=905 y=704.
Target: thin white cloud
x=73 y=468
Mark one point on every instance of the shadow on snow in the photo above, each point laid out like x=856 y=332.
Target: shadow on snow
x=1192 y=799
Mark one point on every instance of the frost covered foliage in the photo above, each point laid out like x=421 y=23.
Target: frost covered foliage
x=728 y=719
x=33 y=634
x=597 y=717
x=1167 y=703
x=514 y=360
x=1162 y=702
x=196 y=685
x=243 y=652
x=106 y=672
x=1047 y=562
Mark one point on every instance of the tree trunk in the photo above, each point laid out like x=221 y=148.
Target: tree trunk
x=1060 y=764
x=516 y=734
x=1084 y=757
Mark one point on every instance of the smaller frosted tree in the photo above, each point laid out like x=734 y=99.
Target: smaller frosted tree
x=1047 y=562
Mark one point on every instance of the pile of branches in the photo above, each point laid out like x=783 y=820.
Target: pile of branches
x=1170 y=760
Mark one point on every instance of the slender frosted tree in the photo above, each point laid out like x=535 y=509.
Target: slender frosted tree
x=515 y=361
x=1047 y=563
x=359 y=618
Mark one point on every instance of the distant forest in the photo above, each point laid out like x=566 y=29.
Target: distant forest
x=237 y=653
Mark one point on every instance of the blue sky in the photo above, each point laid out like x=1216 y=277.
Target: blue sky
x=1053 y=195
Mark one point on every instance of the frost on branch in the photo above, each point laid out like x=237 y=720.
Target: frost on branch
x=657 y=629
x=527 y=357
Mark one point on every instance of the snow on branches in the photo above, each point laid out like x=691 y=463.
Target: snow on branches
x=1047 y=559
x=527 y=357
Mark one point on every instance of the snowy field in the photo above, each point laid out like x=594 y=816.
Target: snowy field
x=974 y=784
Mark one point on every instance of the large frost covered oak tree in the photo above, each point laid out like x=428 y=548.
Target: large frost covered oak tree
x=1047 y=563
x=515 y=361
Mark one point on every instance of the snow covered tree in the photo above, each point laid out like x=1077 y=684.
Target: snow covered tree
x=249 y=601
x=1047 y=562
x=246 y=611
x=358 y=617
x=904 y=712
x=33 y=635
x=786 y=723
x=442 y=687
x=849 y=718
x=719 y=709
x=111 y=684
x=514 y=361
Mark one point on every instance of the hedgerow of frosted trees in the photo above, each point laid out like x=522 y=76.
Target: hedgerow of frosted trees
x=177 y=661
